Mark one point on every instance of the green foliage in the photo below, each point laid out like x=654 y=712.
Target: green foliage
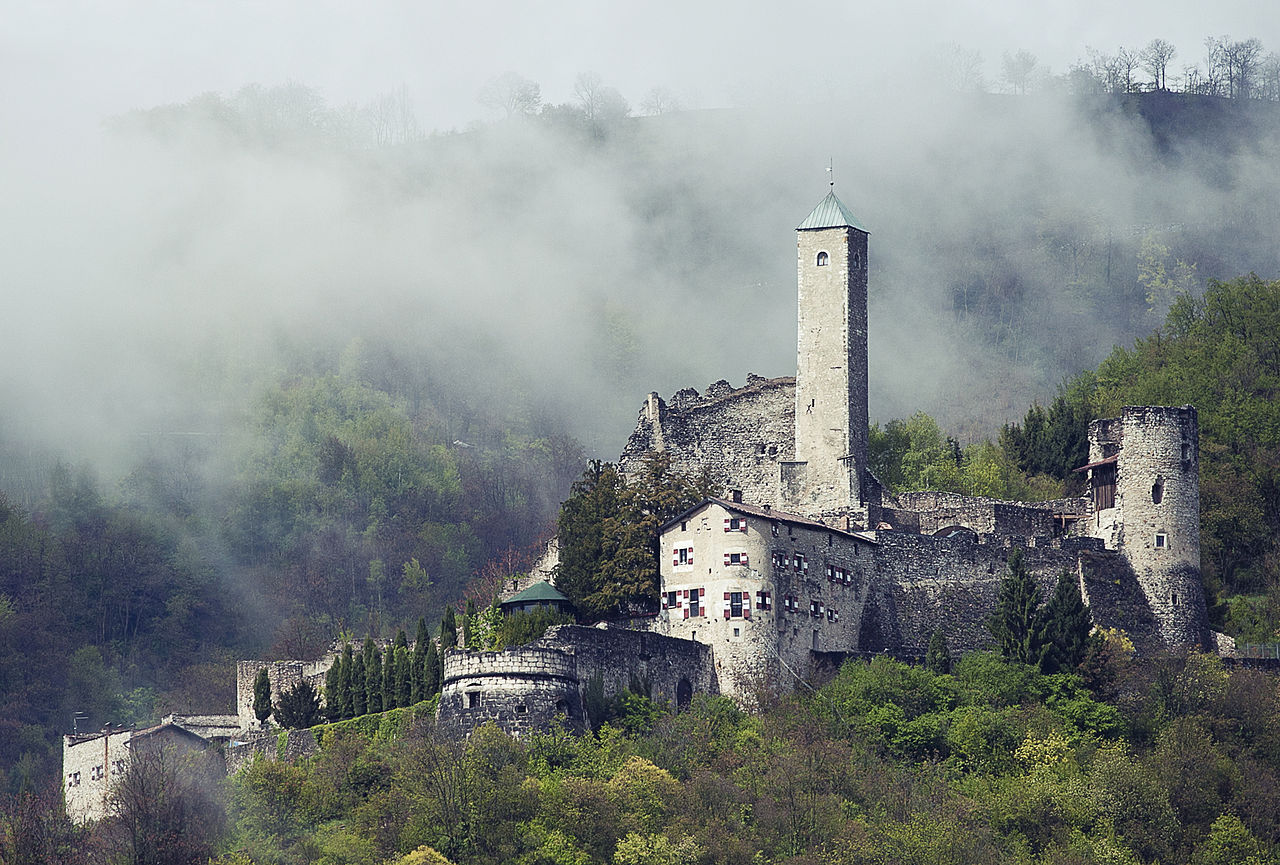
x=262 y=707
x=448 y=630
x=1054 y=442
x=526 y=626
x=418 y=672
x=938 y=657
x=608 y=534
x=1067 y=626
x=434 y=672
x=1018 y=623
x=298 y=707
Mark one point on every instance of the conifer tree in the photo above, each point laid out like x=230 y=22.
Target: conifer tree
x=372 y=676
x=262 y=707
x=1067 y=627
x=938 y=658
x=333 y=690
x=1018 y=623
x=359 y=704
x=404 y=660
x=433 y=673
x=298 y=707
x=389 y=680
x=417 y=682
x=346 y=707
x=448 y=630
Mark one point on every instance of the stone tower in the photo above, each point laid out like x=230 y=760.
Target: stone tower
x=1144 y=477
x=826 y=479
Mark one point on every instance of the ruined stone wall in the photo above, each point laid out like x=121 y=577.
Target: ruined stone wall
x=284 y=675
x=520 y=689
x=929 y=511
x=738 y=435
x=925 y=582
x=623 y=659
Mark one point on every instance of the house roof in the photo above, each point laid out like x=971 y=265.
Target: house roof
x=540 y=592
x=830 y=213
x=766 y=514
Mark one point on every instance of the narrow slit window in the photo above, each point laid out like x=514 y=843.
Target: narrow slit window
x=1157 y=492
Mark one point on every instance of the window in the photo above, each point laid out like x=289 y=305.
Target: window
x=695 y=602
x=735 y=524
x=1162 y=541
x=764 y=601
x=838 y=575
x=737 y=605
x=684 y=527
x=781 y=560
x=816 y=609
x=735 y=559
x=96 y=774
x=790 y=603
x=473 y=699
x=1104 y=487
x=1186 y=452
x=801 y=565
x=671 y=600
x=857 y=260
x=1157 y=491
x=833 y=615
x=737 y=632
x=682 y=557
x=1173 y=598
x=774 y=529
x=521 y=708
x=822 y=259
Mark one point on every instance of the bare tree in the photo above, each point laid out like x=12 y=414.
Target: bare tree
x=34 y=830
x=1126 y=61
x=1155 y=61
x=602 y=106
x=959 y=68
x=1019 y=70
x=1242 y=67
x=512 y=94
x=166 y=808
x=660 y=100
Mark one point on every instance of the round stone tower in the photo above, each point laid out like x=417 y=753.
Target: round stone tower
x=1151 y=455
x=521 y=689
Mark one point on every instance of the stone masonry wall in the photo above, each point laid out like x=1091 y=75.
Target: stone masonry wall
x=284 y=675
x=738 y=435
x=520 y=689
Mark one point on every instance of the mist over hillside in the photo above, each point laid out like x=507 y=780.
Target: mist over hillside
x=158 y=271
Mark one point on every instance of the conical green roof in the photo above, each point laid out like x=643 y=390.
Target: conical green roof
x=830 y=213
x=540 y=592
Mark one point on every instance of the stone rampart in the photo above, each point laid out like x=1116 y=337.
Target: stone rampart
x=737 y=435
x=520 y=689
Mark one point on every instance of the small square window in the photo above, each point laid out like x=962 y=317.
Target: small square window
x=1162 y=541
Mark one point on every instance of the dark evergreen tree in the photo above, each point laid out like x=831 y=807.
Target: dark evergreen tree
x=1067 y=625
x=372 y=676
x=359 y=703
x=262 y=707
x=938 y=658
x=448 y=630
x=433 y=673
x=404 y=661
x=347 y=708
x=298 y=707
x=389 y=680
x=1018 y=623
x=417 y=682
x=333 y=691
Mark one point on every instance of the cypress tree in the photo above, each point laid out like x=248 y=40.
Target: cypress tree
x=1018 y=623
x=1067 y=627
x=448 y=630
x=262 y=707
x=347 y=707
x=417 y=682
x=403 y=674
x=359 y=705
x=938 y=658
x=333 y=690
x=433 y=672
x=389 y=680
x=372 y=676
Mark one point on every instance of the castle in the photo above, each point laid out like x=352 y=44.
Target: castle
x=808 y=559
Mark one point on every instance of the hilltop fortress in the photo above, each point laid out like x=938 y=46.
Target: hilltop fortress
x=808 y=559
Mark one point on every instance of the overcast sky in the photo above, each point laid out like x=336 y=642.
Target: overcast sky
x=64 y=63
